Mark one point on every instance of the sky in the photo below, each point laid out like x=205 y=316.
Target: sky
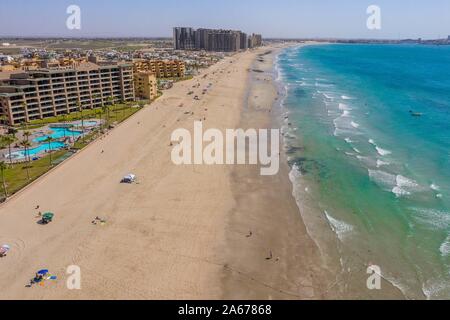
x=427 y=19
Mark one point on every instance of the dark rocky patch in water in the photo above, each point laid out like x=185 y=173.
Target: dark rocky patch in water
x=300 y=93
x=307 y=166
x=294 y=150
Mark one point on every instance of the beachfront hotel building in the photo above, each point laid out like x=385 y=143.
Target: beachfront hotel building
x=146 y=85
x=184 y=38
x=161 y=68
x=42 y=93
x=216 y=40
x=254 y=41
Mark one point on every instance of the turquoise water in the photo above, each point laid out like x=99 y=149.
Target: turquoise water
x=55 y=145
x=368 y=140
x=58 y=133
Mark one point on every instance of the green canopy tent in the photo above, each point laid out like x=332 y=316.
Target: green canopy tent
x=47 y=217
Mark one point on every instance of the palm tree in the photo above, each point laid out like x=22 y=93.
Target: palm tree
x=49 y=140
x=3 y=167
x=27 y=135
x=102 y=105
x=4 y=120
x=9 y=139
x=110 y=101
x=64 y=119
x=124 y=108
x=105 y=111
x=82 y=119
x=26 y=145
x=82 y=116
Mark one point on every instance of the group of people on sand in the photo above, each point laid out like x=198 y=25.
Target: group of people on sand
x=270 y=256
x=98 y=220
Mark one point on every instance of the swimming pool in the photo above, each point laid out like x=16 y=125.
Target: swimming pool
x=59 y=133
x=55 y=145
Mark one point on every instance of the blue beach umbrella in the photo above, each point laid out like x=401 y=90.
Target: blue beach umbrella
x=42 y=272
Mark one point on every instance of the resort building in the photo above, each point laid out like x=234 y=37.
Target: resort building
x=146 y=85
x=161 y=68
x=43 y=93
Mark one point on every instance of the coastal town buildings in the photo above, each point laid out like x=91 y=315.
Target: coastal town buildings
x=42 y=93
x=146 y=85
x=254 y=41
x=186 y=38
x=161 y=68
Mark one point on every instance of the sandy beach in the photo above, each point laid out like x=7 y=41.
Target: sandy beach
x=181 y=232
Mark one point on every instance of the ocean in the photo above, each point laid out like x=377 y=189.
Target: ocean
x=367 y=135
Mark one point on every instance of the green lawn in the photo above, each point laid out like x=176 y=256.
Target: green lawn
x=16 y=174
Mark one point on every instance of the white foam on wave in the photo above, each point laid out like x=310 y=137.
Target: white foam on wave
x=341 y=228
x=436 y=288
x=368 y=161
x=399 y=192
x=405 y=182
x=404 y=186
x=343 y=122
x=344 y=97
x=433 y=218
x=348 y=140
x=383 y=152
x=355 y=125
x=326 y=95
x=381 y=163
x=445 y=247
x=397 y=184
x=435 y=187
x=344 y=107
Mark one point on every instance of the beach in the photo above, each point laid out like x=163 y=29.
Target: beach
x=180 y=232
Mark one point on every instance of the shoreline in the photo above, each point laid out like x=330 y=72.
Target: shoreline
x=348 y=284
x=266 y=207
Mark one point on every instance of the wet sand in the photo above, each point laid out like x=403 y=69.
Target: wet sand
x=266 y=210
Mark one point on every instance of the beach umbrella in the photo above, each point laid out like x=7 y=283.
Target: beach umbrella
x=42 y=272
x=48 y=215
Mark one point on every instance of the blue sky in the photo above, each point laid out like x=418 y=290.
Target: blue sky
x=272 y=18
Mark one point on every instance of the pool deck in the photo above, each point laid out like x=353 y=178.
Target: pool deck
x=47 y=130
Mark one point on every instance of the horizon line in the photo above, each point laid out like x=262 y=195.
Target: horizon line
x=170 y=37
